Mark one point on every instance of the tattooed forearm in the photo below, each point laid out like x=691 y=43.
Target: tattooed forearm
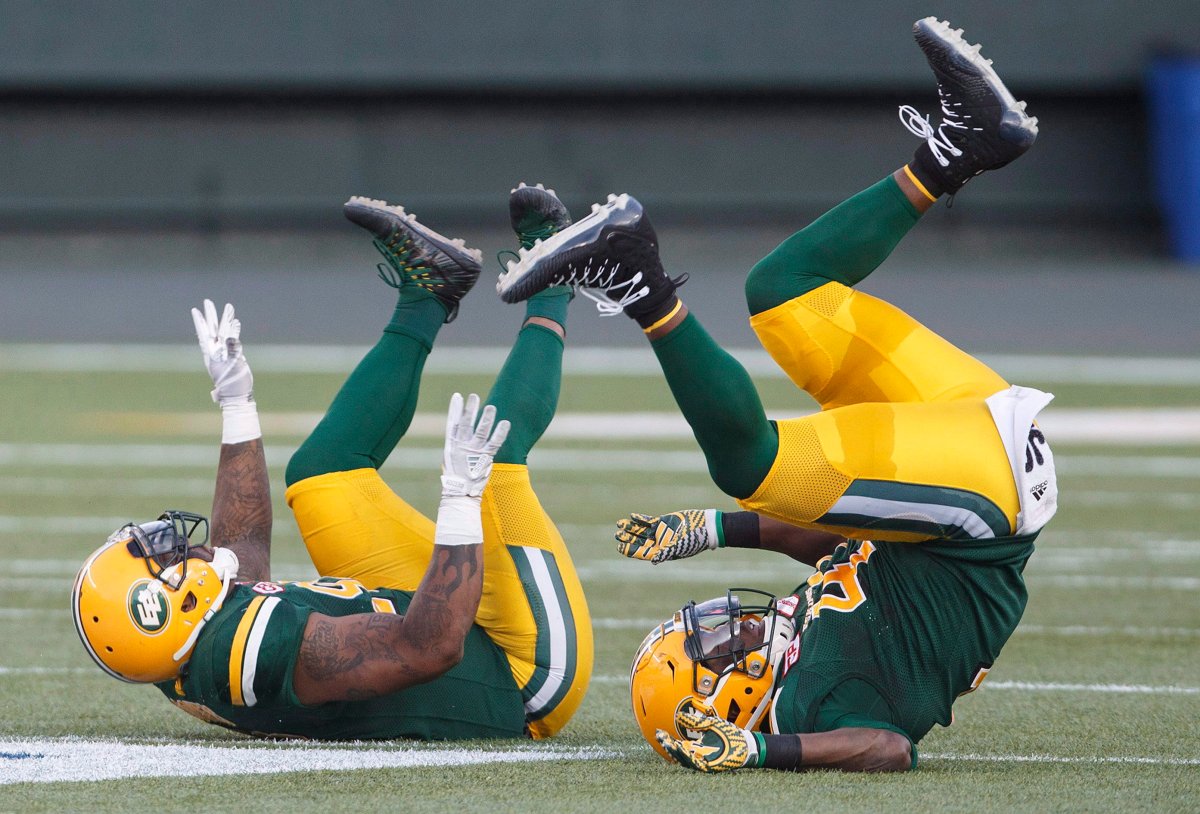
x=445 y=603
x=365 y=655
x=452 y=565
x=241 y=515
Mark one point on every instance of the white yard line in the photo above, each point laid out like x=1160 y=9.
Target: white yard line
x=1023 y=686
x=579 y=361
x=1118 y=426
x=77 y=760
x=1097 y=760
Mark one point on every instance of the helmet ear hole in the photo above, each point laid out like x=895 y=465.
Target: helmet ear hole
x=189 y=602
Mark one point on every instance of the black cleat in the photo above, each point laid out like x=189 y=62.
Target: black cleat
x=536 y=213
x=415 y=254
x=614 y=250
x=983 y=127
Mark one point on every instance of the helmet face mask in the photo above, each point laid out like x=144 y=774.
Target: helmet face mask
x=164 y=544
x=713 y=656
x=720 y=633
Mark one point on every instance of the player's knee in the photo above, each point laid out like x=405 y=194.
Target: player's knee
x=309 y=461
x=764 y=283
x=298 y=468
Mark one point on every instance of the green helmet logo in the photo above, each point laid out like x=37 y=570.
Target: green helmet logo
x=148 y=606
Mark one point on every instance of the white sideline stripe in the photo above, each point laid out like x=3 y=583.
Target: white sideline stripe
x=1099 y=759
x=48 y=671
x=1138 y=689
x=428 y=458
x=1108 y=425
x=646 y=623
x=1117 y=583
x=69 y=760
x=591 y=361
x=1117 y=466
x=1024 y=686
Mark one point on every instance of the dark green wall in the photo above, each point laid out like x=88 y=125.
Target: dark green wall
x=207 y=113
x=617 y=44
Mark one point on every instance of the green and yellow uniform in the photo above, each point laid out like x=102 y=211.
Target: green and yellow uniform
x=905 y=447
x=532 y=606
x=893 y=633
x=240 y=674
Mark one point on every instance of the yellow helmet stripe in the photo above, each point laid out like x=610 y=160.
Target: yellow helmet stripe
x=238 y=652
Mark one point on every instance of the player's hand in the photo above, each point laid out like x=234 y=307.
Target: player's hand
x=658 y=538
x=221 y=344
x=717 y=745
x=470 y=448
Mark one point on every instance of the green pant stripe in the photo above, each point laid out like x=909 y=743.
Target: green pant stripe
x=936 y=510
x=555 y=654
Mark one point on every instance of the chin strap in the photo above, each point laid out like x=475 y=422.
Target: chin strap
x=225 y=564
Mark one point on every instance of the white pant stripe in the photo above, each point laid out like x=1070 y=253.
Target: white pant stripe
x=953 y=516
x=557 y=625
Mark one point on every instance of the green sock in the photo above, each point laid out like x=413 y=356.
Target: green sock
x=526 y=390
x=720 y=402
x=550 y=303
x=375 y=406
x=845 y=244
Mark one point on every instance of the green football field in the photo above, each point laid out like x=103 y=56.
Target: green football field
x=1094 y=705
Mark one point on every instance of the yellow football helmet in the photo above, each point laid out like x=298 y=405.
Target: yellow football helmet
x=718 y=657
x=140 y=599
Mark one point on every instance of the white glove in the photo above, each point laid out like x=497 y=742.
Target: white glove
x=466 y=465
x=221 y=345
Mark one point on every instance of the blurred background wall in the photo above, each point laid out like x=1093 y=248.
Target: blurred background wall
x=193 y=121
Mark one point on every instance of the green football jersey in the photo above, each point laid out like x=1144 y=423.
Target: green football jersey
x=895 y=632
x=240 y=673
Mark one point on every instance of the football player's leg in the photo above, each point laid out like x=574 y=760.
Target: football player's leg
x=837 y=344
x=614 y=250
x=843 y=346
x=331 y=478
x=904 y=472
x=533 y=604
x=844 y=245
x=720 y=402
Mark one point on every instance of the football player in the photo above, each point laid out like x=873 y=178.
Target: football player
x=917 y=491
x=471 y=627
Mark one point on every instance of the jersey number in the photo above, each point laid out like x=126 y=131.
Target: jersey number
x=340 y=588
x=841 y=591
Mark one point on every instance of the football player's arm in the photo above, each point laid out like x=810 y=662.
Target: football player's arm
x=674 y=536
x=241 y=512
x=720 y=746
x=368 y=655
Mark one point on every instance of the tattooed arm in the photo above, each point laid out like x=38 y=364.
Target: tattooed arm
x=241 y=513
x=371 y=654
x=366 y=655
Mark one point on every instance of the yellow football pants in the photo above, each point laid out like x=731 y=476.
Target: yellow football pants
x=904 y=448
x=532 y=606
